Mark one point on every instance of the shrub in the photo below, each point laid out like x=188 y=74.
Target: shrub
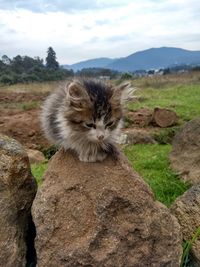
x=6 y=79
x=165 y=136
x=49 y=152
x=126 y=76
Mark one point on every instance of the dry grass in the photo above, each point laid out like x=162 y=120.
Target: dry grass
x=161 y=81
x=32 y=87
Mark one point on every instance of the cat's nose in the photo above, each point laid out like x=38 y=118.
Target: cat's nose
x=100 y=137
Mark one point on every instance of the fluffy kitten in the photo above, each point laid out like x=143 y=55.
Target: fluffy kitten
x=86 y=117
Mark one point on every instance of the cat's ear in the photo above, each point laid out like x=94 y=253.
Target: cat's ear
x=77 y=96
x=122 y=93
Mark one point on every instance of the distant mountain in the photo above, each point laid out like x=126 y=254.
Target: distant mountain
x=156 y=58
x=153 y=58
x=102 y=62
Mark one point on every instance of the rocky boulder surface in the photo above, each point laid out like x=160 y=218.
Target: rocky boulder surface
x=17 y=191
x=185 y=155
x=101 y=215
x=187 y=210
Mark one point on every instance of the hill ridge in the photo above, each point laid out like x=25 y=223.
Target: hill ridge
x=151 y=58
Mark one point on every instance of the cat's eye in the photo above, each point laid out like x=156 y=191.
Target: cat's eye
x=90 y=125
x=110 y=124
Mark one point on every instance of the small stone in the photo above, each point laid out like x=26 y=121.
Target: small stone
x=31 y=133
x=35 y=156
x=136 y=136
x=142 y=117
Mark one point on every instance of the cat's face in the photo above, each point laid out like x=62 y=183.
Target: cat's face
x=94 y=110
x=95 y=130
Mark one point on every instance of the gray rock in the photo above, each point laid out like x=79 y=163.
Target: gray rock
x=187 y=210
x=17 y=190
x=101 y=215
x=134 y=136
x=185 y=155
x=142 y=117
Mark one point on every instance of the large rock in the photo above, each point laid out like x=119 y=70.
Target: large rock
x=187 y=209
x=101 y=215
x=185 y=156
x=17 y=190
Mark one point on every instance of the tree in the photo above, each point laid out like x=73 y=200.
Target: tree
x=30 y=63
x=51 y=62
x=23 y=69
x=126 y=76
x=17 y=64
x=6 y=60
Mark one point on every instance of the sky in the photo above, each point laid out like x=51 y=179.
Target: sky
x=80 y=30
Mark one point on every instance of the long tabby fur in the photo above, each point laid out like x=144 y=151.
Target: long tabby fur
x=85 y=116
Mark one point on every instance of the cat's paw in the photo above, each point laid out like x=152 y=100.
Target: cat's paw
x=86 y=158
x=101 y=156
x=92 y=158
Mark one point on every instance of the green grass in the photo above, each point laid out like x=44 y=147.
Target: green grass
x=187 y=247
x=24 y=106
x=166 y=135
x=38 y=171
x=30 y=105
x=151 y=162
x=184 y=99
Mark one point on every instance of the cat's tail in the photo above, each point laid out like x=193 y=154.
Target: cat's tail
x=49 y=116
x=127 y=92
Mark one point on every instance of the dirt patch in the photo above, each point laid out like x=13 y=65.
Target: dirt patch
x=19 y=117
x=21 y=97
x=24 y=127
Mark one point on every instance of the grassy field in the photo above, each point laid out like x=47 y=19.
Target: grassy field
x=151 y=162
x=183 y=99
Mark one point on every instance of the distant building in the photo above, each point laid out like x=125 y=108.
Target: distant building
x=140 y=73
x=104 y=78
x=159 y=71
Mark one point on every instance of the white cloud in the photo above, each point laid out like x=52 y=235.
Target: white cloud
x=112 y=31
x=59 y=5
